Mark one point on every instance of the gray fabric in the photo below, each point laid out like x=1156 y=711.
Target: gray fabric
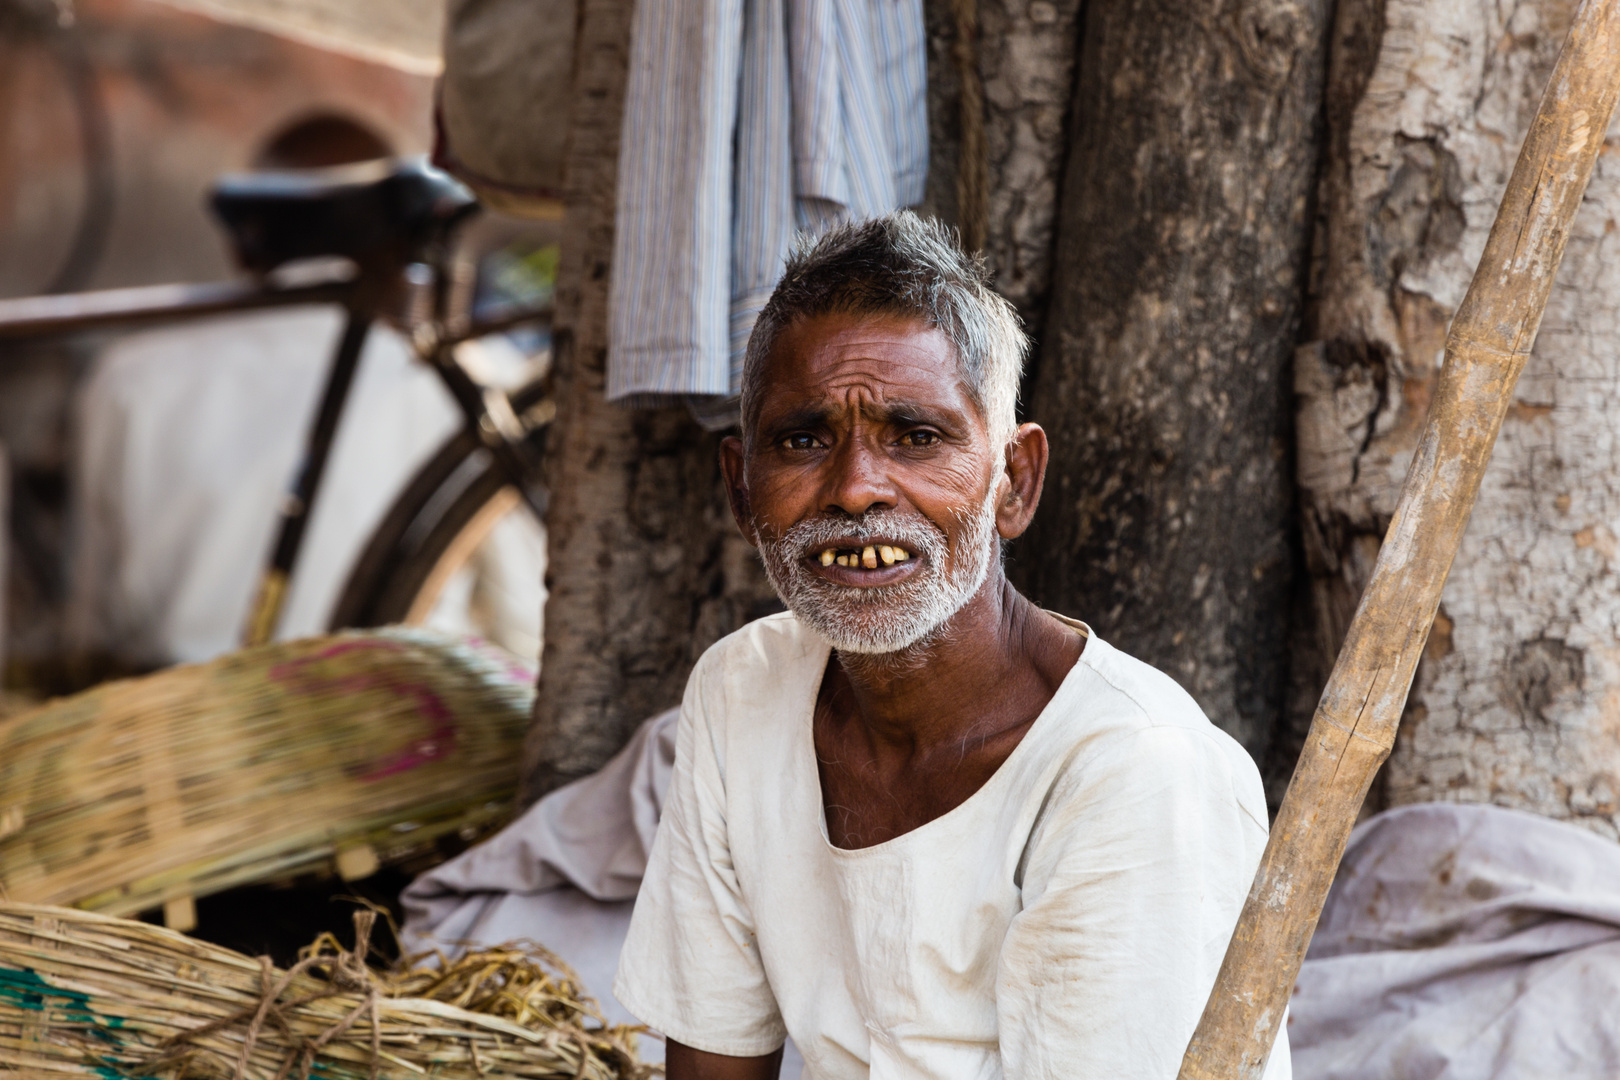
x=563 y=875
x=1460 y=942
x=592 y=835
x=1464 y=942
x=504 y=96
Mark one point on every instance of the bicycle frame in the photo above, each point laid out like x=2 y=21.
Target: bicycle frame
x=486 y=411
x=72 y=313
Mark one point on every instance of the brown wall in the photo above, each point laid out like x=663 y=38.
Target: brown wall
x=188 y=98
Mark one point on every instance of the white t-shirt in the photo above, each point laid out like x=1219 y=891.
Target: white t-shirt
x=1067 y=920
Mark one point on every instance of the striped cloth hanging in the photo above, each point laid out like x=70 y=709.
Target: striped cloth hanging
x=745 y=122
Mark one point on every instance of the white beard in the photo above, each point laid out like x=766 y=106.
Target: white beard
x=881 y=619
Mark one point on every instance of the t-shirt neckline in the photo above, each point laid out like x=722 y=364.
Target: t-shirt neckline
x=1000 y=777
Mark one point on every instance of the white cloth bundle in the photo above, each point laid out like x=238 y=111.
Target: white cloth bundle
x=565 y=874
x=1464 y=942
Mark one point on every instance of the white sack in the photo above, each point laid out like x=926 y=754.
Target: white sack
x=505 y=97
x=1464 y=942
x=564 y=875
x=187 y=438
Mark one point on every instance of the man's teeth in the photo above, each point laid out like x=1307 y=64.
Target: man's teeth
x=869 y=556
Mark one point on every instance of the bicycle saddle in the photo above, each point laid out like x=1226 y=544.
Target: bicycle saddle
x=374 y=213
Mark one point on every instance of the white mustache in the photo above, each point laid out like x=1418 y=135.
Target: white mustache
x=810 y=536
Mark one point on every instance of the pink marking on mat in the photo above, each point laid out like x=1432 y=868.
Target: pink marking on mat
x=439 y=742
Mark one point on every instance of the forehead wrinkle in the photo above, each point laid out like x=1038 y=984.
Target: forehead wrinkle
x=856 y=363
x=858 y=400
x=917 y=375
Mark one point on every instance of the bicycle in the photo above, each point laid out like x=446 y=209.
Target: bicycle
x=378 y=239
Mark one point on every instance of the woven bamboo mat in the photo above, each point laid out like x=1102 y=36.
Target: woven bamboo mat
x=83 y=994
x=345 y=751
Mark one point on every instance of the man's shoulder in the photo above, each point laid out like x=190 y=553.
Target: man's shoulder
x=760 y=647
x=747 y=691
x=1127 y=717
x=1144 y=696
x=757 y=663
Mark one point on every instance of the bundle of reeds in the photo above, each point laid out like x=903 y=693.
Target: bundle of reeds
x=83 y=994
x=352 y=749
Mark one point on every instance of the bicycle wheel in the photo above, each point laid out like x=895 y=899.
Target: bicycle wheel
x=459 y=548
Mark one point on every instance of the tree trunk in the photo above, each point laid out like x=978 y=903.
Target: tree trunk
x=1514 y=702
x=645 y=568
x=1025 y=60
x=1183 y=242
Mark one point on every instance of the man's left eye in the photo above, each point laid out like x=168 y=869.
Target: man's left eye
x=919 y=438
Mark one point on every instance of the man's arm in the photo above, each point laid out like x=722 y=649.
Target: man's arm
x=690 y=967
x=1131 y=890
x=681 y=1062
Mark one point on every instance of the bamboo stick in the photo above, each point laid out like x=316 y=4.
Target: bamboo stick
x=1356 y=720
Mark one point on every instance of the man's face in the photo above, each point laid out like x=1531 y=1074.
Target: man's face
x=870 y=486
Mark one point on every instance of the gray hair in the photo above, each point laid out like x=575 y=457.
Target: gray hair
x=900 y=264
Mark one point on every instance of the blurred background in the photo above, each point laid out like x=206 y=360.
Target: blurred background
x=143 y=469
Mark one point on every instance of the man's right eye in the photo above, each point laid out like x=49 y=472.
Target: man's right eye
x=799 y=441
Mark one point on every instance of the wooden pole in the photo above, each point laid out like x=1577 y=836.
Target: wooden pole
x=1356 y=720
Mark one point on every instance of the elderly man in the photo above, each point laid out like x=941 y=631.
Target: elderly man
x=917 y=823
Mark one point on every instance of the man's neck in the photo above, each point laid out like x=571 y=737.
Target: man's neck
x=934 y=692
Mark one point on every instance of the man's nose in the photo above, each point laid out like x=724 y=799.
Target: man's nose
x=858 y=480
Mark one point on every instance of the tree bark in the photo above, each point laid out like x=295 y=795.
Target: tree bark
x=645 y=568
x=1355 y=725
x=1183 y=242
x=1025 y=57
x=1514 y=702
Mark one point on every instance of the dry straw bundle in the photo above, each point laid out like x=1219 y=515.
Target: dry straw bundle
x=266 y=763
x=83 y=994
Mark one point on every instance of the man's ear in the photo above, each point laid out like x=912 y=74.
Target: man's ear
x=1026 y=475
x=731 y=467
